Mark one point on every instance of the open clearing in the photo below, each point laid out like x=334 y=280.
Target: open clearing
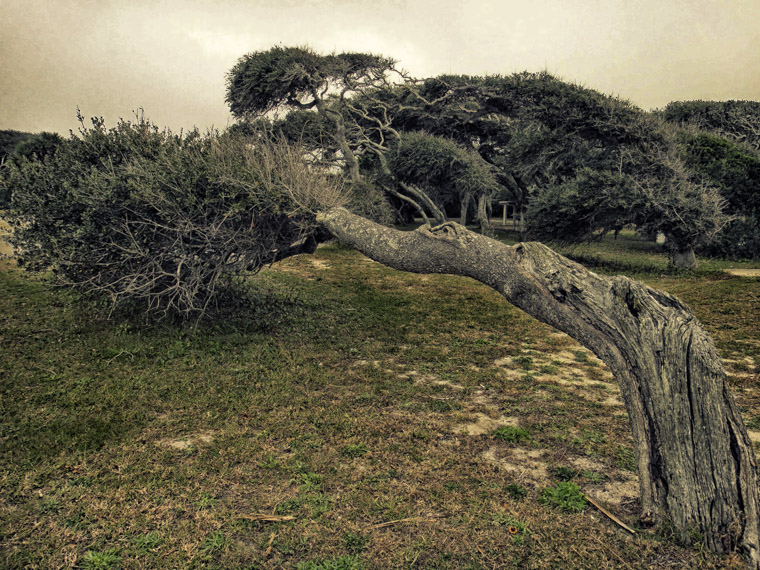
x=349 y=415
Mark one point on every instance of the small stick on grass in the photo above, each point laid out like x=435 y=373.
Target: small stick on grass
x=267 y=518
x=400 y=521
x=610 y=515
x=268 y=551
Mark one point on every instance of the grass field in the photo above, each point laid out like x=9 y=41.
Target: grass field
x=350 y=417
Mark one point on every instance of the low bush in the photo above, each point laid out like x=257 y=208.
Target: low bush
x=166 y=221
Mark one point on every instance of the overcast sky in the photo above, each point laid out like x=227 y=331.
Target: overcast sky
x=170 y=57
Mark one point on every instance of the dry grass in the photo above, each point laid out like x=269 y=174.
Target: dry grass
x=348 y=417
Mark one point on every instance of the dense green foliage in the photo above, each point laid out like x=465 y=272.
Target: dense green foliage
x=735 y=170
x=265 y=80
x=16 y=146
x=586 y=163
x=8 y=141
x=144 y=215
x=578 y=208
x=736 y=120
x=446 y=171
x=578 y=162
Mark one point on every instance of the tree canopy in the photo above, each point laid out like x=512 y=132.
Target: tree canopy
x=543 y=135
x=736 y=120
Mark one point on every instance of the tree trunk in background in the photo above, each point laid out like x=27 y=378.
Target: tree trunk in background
x=684 y=258
x=696 y=463
x=463 y=209
x=483 y=214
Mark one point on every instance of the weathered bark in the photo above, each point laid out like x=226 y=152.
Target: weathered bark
x=696 y=464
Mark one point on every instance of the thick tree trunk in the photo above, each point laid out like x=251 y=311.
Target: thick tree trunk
x=696 y=464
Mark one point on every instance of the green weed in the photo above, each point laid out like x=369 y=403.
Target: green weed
x=354 y=450
x=94 y=560
x=564 y=495
x=515 y=491
x=511 y=434
x=565 y=473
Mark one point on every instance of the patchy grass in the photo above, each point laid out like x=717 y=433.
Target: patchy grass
x=321 y=426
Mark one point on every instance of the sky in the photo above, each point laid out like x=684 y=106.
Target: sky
x=170 y=58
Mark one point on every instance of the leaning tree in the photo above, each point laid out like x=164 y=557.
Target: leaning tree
x=696 y=463
x=172 y=209
x=341 y=102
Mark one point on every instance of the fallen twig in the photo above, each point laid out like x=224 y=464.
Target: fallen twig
x=609 y=514
x=268 y=551
x=400 y=521
x=267 y=518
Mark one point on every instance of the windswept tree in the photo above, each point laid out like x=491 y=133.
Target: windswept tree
x=696 y=463
x=298 y=78
x=166 y=218
x=335 y=105
x=167 y=210
x=541 y=133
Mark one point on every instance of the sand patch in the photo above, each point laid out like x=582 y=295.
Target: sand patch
x=484 y=424
x=6 y=249
x=568 y=369
x=319 y=264
x=525 y=465
x=617 y=492
x=743 y=272
x=188 y=441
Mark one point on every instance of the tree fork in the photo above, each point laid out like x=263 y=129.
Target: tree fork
x=696 y=464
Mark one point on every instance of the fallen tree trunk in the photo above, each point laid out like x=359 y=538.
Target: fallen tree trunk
x=696 y=464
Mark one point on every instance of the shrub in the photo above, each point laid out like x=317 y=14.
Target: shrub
x=166 y=221
x=735 y=170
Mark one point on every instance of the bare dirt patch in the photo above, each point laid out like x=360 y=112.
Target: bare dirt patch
x=484 y=424
x=617 y=492
x=6 y=249
x=525 y=465
x=743 y=272
x=188 y=441
x=319 y=264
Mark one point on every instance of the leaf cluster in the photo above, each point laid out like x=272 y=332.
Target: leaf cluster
x=736 y=120
x=443 y=169
x=735 y=170
x=586 y=162
x=262 y=81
